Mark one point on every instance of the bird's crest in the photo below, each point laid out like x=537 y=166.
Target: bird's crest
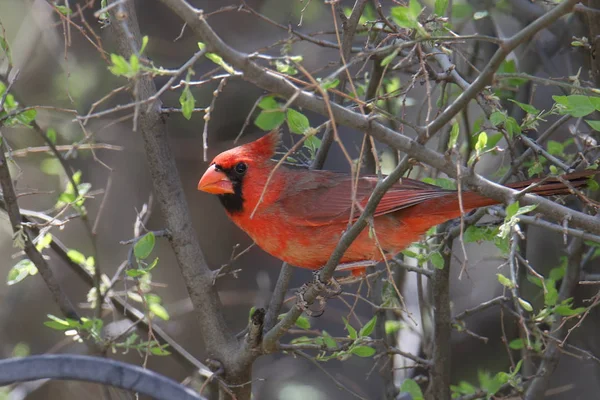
x=265 y=146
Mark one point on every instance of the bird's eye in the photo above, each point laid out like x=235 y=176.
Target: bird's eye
x=241 y=168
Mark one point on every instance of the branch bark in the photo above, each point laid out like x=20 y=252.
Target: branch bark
x=220 y=343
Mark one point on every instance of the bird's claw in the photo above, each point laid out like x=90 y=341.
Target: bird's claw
x=329 y=289
x=303 y=304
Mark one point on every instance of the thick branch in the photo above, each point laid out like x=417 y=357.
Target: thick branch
x=197 y=276
x=94 y=369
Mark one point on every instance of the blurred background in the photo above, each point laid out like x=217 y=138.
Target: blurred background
x=76 y=76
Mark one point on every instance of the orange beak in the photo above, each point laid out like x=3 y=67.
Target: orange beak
x=215 y=182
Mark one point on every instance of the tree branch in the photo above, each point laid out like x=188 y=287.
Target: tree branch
x=220 y=342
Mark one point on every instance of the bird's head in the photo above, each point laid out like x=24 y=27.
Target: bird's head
x=228 y=170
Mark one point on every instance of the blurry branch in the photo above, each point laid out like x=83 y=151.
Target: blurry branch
x=67 y=147
x=540 y=382
x=120 y=304
x=21 y=235
x=198 y=278
x=93 y=369
x=439 y=387
x=482 y=306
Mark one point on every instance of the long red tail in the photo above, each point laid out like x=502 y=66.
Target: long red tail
x=438 y=210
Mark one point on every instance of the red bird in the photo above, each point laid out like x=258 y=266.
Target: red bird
x=303 y=213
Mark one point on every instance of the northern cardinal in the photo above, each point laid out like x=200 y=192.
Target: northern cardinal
x=303 y=213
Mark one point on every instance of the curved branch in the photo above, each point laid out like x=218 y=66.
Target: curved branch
x=94 y=369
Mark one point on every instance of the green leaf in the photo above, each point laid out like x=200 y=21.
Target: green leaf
x=268 y=103
x=351 y=331
x=440 y=7
x=58 y=323
x=269 y=120
x=188 y=102
x=407 y=17
x=144 y=44
x=363 y=351
x=481 y=142
x=76 y=257
x=119 y=67
x=26 y=117
x=51 y=135
x=285 y=68
x=330 y=84
x=504 y=281
x=555 y=148
x=6 y=48
x=201 y=46
x=297 y=122
x=437 y=260
x=368 y=327
x=453 y=134
x=594 y=124
x=303 y=322
x=411 y=387
x=160 y=350
x=497 y=118
x=159 y=311
x=20 y=271
x=144 y=246
x=525 y=304
x=217 y=59
x=44 y=242
x=528 y=108
x=577 y=105
x=329 y=341
x=567 y=311
x=551 y=295
x=392 y=326
x=64 y=10
x=511 y=209
x=135 y=273
x=516 y=344
x=390 y=57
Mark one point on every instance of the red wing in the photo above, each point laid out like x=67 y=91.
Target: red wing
x=322 y=197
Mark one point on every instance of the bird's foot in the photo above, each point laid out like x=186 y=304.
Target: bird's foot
x=329 y=289
x=304 y=306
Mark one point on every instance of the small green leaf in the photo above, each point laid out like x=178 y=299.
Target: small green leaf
x=188 y=102
x=368 y=327
x=303 y=322
x=411 y=387
x=528 y=108
x=516 y=344
x=297 y=122
x=351 y=331
x=453 y=135
x=268 y=103
x=392 y=326
x=390 y=57
x=64 y=10
x=577 y=105
x=158 y=310
x=135 y=273
x=363 y=351
x=267 y=121
x=20 y=271
x=594 y=124
x=440 y=7
x=160 y=350
x=511 y=209
x=76 y=257
x=437 y=260
x=51 y=135
x=144 y=44
x=481 y=142
x=504 y=281
x=217 y=59
x=555 y=148
x=525 y=304
x=497 y=118
x=329 y=341
x=330 y=84
x=407 y=17
x=201 y=46
x=144 y=246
